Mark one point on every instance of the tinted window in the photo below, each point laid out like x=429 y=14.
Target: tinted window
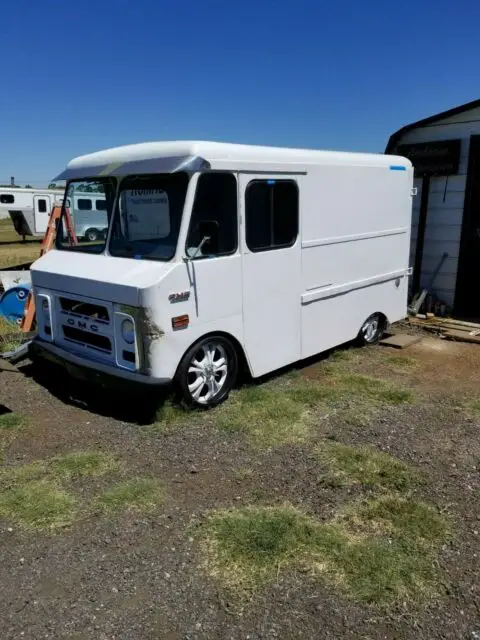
x=214 y=215
x=7 y=198
x=271 y=211
x=42 y=206
x=101 y=205
x=84 y=204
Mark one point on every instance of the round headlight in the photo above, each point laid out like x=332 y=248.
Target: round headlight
x=45 y=308
x=128 y=331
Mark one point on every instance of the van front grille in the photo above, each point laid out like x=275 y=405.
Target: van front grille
x=85 y=309
x=85 y=338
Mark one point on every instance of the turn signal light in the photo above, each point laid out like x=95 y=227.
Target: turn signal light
x=180 y=322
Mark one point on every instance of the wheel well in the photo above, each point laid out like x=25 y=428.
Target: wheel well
x=384 y=320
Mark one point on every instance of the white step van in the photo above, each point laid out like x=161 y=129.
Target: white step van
x=220 y=254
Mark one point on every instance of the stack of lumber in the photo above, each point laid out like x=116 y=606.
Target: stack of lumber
x=450 y=329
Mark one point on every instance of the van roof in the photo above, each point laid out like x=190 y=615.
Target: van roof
x=167 y=157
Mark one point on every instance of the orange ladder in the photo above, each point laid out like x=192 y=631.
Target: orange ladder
x=47 y=244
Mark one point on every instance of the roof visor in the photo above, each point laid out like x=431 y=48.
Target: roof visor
x=170 y=164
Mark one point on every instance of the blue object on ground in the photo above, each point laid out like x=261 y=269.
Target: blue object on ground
x=12 y=303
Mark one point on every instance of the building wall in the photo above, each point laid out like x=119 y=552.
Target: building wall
x=445 y=204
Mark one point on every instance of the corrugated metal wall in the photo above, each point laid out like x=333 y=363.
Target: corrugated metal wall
x=445 y=203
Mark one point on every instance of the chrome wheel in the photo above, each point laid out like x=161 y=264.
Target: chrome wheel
x=372 y=329
x=207 y=372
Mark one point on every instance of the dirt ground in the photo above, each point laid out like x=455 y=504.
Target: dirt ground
x=141 y=574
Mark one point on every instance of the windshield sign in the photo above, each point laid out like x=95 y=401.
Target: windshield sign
x=146 y=213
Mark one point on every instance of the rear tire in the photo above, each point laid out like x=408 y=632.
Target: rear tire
x=372 y=329
x=207 y=372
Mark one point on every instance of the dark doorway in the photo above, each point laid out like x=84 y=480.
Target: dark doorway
x=467 y=296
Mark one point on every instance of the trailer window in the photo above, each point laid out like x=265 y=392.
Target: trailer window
x=42 y=206
x=7 y=198
x=84 y=204
x=101 y=205
x=214 y=215
x=271 y=214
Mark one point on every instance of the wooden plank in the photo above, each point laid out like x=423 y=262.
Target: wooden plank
x=400 y=341
x=461 y=336
x=6 y=366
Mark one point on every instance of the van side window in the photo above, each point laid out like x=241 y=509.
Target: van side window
x=84 y=204
x=101 y=205
x=7 y=198
x=42 y=206
x=271 y=214
x=214 y=216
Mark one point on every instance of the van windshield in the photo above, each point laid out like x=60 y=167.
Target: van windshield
x=148 y=216
x=87 y=209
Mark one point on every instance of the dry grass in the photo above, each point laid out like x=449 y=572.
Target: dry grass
x=286 y=410
x=366 y=466
x=244 y=548
x=38 y=496
x=138 y=494
x=10 y=336
x=12 y=250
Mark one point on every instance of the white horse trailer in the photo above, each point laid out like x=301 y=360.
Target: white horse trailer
x=221 y=254
x=29 y=209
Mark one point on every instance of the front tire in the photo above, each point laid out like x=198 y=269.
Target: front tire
x=207 y=372
x=372 y=329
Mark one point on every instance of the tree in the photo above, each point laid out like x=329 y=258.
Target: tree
x=28 y=186
x=52 y=185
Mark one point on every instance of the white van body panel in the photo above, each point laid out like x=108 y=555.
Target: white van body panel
x=349 y=260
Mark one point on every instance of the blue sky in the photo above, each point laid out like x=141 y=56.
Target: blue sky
x=337 y=75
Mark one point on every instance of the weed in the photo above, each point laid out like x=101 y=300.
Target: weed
x=139 y=494
x=411 y=522
x=80 y=464
x=366 y=466
x=39 y=505
x=401 y=361
x=11 y=422
x=245 y=548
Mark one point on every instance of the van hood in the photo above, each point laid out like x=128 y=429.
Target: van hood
x=119 y=280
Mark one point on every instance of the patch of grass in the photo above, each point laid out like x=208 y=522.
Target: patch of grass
x=78 y=464
x=472 y=408
x=170 y=414
x=10 y=335
x=366 y=466
x=33 y=494
x=265 y=415
x=81 y=464
x=401 y=361
x=139 y=494
x=247 y=547
x=344 y=355
x=380 y=571
x=285 y=412
x=37 y=505
x=409 y=521
x=374 y=390
x=11 y=422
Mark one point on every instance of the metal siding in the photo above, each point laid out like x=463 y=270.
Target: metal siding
x=445 y=205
